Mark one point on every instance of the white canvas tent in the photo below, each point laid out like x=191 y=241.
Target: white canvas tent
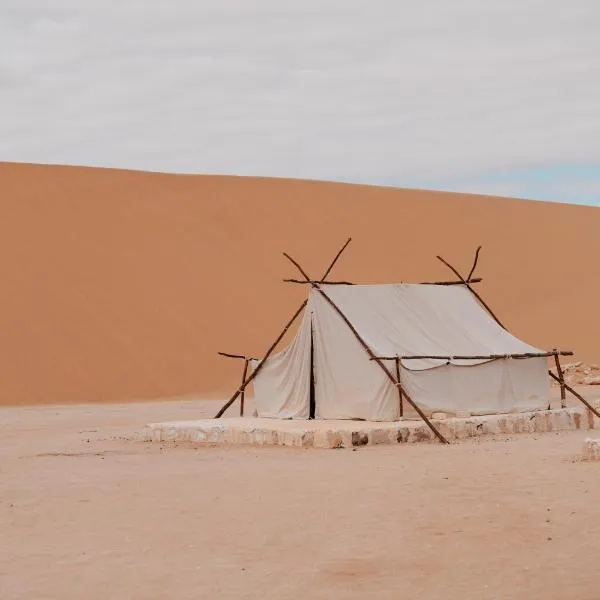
x=381 y=352
x=404 y=320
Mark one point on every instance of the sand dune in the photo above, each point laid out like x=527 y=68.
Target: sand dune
x=121 y=285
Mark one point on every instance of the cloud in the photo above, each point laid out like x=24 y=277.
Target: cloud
x=382 y=91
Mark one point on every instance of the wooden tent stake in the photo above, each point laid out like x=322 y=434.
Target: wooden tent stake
x=279 y=338
x=576 y=394
x=400 y=393
x=561 y=376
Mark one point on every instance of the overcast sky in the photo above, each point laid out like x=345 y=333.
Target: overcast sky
x=493 y=96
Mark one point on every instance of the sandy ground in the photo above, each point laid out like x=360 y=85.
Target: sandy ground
x=88 y=512
x=121 y=285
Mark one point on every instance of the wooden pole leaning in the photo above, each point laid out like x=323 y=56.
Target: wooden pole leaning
x=576 y=394
x=468 y=285
x=243 y=394
x=561 y=376
x=370 y=353
x=268 y=353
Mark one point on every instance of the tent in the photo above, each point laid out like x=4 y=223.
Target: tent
x=384 y=352
x=450 y=353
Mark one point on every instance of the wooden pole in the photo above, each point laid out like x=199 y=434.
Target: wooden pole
x=576 y=394
x=318 y=282
x=561 y=376
x=474 y=263
x=243 y=356
x=243 y=394
x=335 y=258
x=469 y=281
x=466 y=283
x=400 y=393
x=279 y=338
x=483 y=356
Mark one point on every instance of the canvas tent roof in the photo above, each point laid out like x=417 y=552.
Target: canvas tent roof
x=399 y=320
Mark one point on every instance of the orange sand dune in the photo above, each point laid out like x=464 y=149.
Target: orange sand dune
x=120 y=285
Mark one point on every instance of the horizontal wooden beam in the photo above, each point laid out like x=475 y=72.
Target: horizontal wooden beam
x=312 y=282
x=236 y=356
x=468 y=281
x=480 y=357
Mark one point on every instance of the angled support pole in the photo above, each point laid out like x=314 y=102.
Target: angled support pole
x=561 y=376
x=576 y=394
x=470 y=288
x=370 y=353
x=268 y=353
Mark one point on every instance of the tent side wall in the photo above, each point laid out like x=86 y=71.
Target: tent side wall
x=498 y=386
x=282 y=387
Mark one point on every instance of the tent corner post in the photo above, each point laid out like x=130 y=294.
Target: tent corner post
x=561 y=376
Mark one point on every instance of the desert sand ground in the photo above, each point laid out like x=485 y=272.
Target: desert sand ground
x=86 y=511
x=120 y=285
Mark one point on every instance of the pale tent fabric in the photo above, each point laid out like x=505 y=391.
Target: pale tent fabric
x=400 y=320
x=282 y=387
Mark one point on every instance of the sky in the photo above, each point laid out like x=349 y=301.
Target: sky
x=486 y=96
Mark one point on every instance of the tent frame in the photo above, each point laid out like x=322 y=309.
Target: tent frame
x=395 y=380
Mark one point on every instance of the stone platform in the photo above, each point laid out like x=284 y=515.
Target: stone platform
x=347 y=434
